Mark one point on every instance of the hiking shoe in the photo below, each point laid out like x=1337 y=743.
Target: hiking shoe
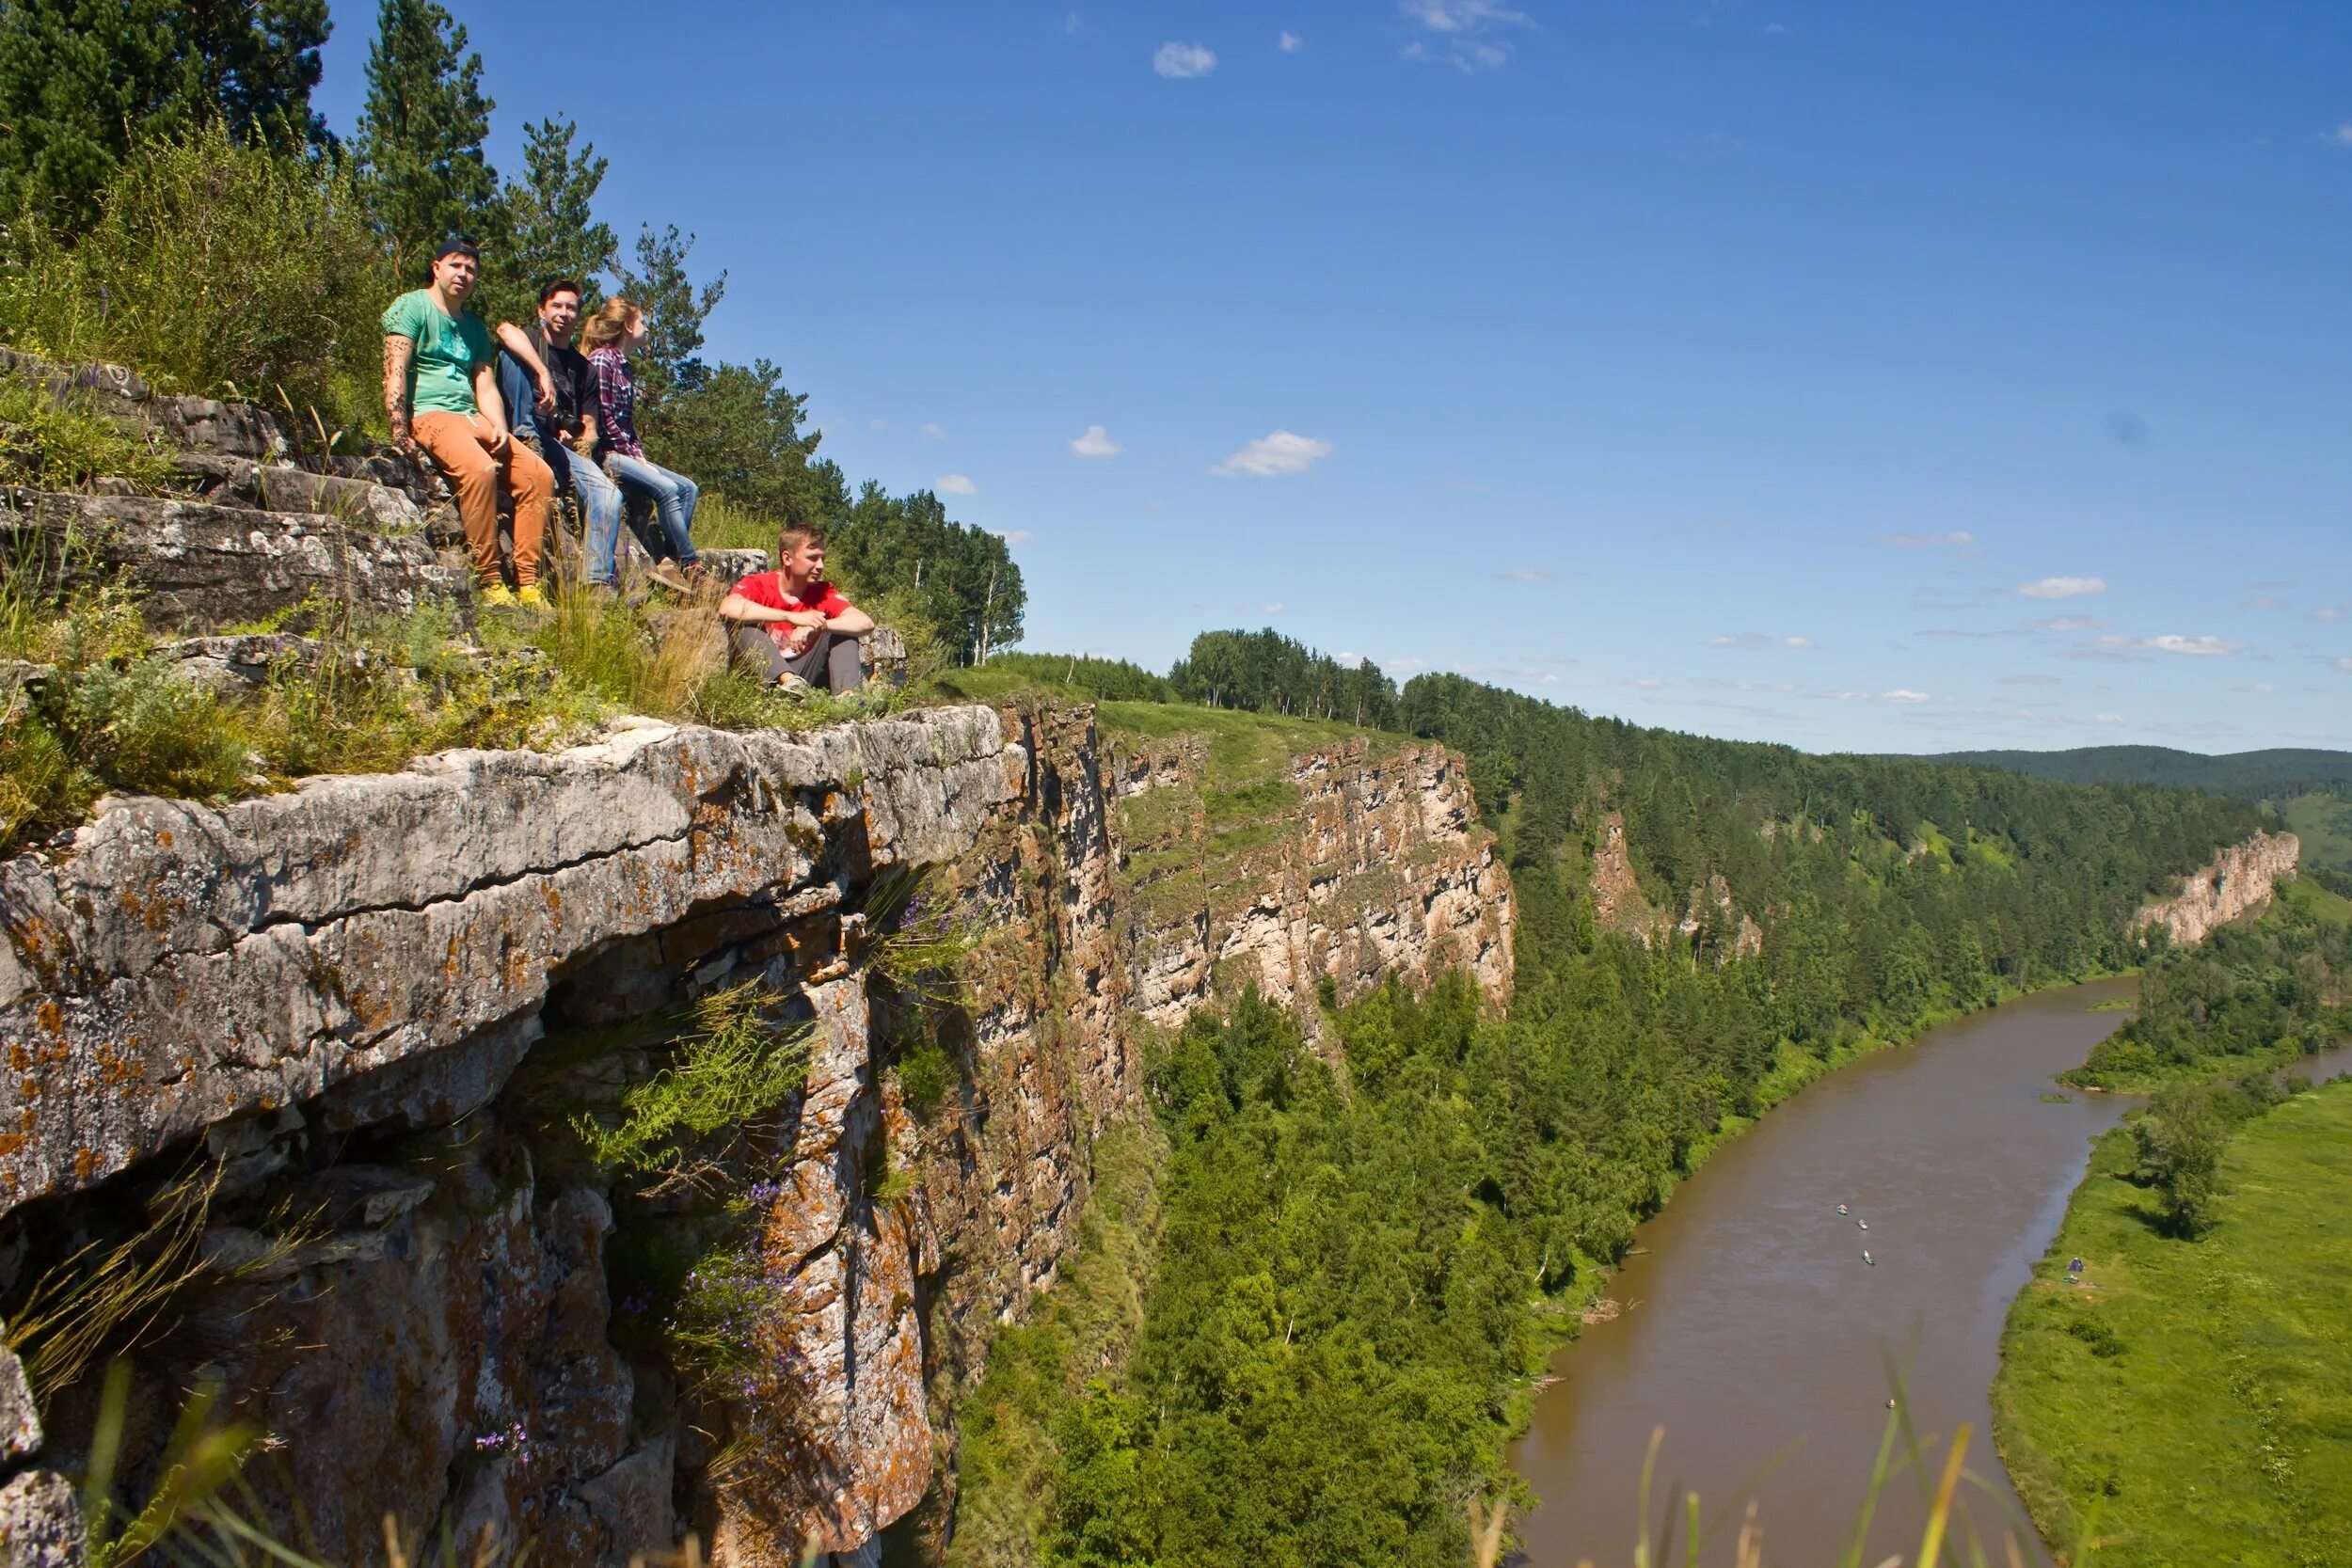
x=529 y=597
x=793 y=686
x=495 y=597
x=666 y=573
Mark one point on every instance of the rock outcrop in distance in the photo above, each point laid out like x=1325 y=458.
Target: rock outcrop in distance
x=385 y=997
x=2238 y=881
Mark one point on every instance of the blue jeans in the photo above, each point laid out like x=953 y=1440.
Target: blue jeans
x=672 y=496
x=600 y=501
x=599 y=498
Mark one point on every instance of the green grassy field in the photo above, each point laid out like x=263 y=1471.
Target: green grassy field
x=2191 y=1401
x=2324 y=823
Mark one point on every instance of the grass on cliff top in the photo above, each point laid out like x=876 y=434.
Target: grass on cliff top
x=2324 y=823
x=113 y=716
x=2196 y=1392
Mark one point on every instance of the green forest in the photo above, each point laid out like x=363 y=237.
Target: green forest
x=1317 y=1348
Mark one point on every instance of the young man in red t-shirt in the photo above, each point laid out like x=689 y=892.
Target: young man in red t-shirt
x=792 y=626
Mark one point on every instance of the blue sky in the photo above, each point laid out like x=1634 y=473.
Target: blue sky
x=1861 y=377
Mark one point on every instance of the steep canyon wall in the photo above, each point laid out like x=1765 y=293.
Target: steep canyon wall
x=368 y=1011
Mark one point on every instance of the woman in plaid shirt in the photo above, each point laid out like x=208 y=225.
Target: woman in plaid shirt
x=617 y=327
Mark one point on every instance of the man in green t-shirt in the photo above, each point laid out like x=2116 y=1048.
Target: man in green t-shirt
x=441 y=393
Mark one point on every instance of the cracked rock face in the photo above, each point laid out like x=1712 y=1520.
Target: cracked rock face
x=2237 y=882
x=344 y=991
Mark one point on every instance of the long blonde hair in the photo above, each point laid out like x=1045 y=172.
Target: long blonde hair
x=612 y=320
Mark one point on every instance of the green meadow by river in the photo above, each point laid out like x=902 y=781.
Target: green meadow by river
x=2187 y=1394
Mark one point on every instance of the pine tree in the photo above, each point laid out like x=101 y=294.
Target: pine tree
x=551 y=231
x=421 y=134
x=80 y=79
x=669 y=366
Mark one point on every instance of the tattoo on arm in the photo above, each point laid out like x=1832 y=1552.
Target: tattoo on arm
x=398 y=351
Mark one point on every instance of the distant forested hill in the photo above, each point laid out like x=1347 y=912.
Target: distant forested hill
x=2255 y=775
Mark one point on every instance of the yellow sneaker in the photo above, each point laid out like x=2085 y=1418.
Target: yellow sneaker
x=495 y=597
x=529 y=597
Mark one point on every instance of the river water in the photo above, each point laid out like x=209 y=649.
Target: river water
x=1753 y=1325
x=1757 y=1336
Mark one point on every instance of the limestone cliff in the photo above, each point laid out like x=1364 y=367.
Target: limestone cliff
x=2238 y=881
x=376 y=1003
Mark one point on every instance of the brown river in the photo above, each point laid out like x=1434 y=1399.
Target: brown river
x=1755 y=1333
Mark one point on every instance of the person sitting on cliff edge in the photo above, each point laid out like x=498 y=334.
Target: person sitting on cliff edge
x=558 y=420
x=441 y=395
x=792 y=626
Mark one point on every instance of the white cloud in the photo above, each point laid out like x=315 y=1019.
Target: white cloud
x=2346 y=665
x=2264 y=687
x=2062 y=588
x=932 y=433
x=2263 y=601
x=1776 y=29
x=1275 y=456
x=2106 y=717
x=1797 y=643
x=1096 y=442
x=1013 y=535
x=2342 y=134
x=955 y=484
x=1739 y=640
x=2029 y=680
x=2172 y=643
x=1527 y=574
x=1274 y=608
x=1904 y=694
x=2329 y=613
x=1461 y=32
x=1181 y=62
x=1959 y=539
x=1289 y=43
x=2073 y=623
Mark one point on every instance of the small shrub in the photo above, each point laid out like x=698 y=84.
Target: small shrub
x=737 y=1066
x=214 y=265
x=925 y=1071
x=58 y=442
x=919 y=934
x=141 y=728
x=2097 y=1333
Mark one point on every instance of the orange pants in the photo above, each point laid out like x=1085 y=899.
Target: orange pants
x=459 y=445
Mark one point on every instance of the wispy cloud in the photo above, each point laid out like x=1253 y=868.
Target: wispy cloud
x=932 y=433
x=2329 y=613
x=1289 y=43
x=1758 y=640
x=1181 y=62
x=2263 y=601
x=2342 y=136
x=2029 y=680
x=1527 y=574
x=2073 y=623
x=1462 y=33
x=1014 y=535
x=2207 y=647
x=1274 y=456
x=955 y=484
x=2062 y=588
x=1096 y=442
x=2345 y=665
x=1274 y=608
x=1959 y=539
x=1904 y=694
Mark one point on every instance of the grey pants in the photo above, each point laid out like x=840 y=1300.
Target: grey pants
x=830 y=661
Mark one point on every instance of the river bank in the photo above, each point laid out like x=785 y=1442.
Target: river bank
x=1753 y=1328
x=2183 y=1399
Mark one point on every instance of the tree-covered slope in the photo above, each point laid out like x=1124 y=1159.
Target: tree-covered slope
x=1362 y=1250
x=2256 y=775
